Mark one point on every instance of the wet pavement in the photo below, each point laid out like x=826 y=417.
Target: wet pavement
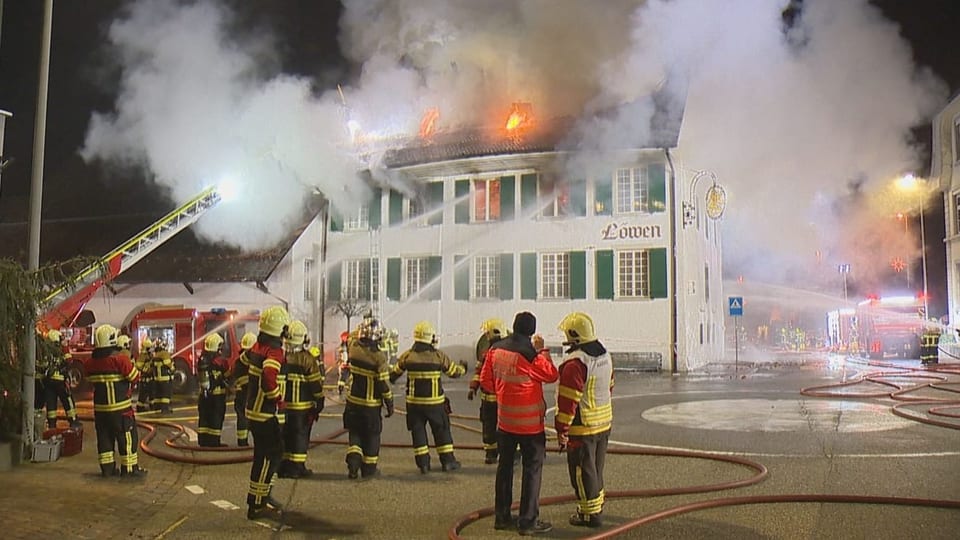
x=797 y=466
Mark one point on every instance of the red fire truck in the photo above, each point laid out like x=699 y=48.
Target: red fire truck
x=890 y=326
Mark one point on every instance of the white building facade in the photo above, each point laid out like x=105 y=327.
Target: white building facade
x=945 y=169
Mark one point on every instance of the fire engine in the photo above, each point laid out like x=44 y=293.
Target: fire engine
x=182 y=330
x=890 y=326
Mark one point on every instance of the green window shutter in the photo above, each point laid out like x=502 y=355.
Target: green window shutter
x=506 y=276
x=435 y=202
x=528 y=276
x=658 y=273
x=603 y=195
x=336 y=220
x=578 y=198
x=434 y=269
x=578 y=274
x=461 y=278
x=605 y=274
x=508 y=197
x=333 y=282
x=528 y=192
x=375 y=208
x=461 y=189
x=396 y=207
x=393 y=279
x=658 y=187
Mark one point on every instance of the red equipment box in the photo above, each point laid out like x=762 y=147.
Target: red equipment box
x=72 y=439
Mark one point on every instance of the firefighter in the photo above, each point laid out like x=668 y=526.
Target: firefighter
x=929 y=343
x=424 y=365
x=368 y=392
x=212 y=404
x=113 y=376
x=123 y=342
x=304 y=400
x=55 y=385
x=162 y=367
x=584 y=414
x=144 y=364
x=343 y=363
x=239 y=374
x=265 y=409
x=390 y=344
x=493 y=330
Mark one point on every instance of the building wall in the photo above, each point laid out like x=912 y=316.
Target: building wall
x=945 y=169
x=636 y=329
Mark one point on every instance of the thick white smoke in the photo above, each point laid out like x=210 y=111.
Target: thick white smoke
x=788 y=120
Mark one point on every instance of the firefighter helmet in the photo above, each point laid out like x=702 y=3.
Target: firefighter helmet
x=147 y=344
x=298 y=333
x=212 y=343
x=578 y=328
x=54 y=336
x=248 y=340
x=274 y=321
x=369 y=328
x=315 y=351
x=123 y=342
x=494 y=327
x=105 y=336
x=423 y=332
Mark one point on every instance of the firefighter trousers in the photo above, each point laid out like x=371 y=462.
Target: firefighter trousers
x=210 y=412
x=53 y=390
x=267 y=453
x=116 y=430
x=240 y=407
x=144 y=392
x=585 y=458
x=418 y=416
x=533 y=450
x=488 y=423
x=161 y=395
x=296 y=437
x=364 y=425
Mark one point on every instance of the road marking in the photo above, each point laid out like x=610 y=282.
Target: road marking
x=171 y=528
x=196 y=490
x=770 y=455
x=225 y=505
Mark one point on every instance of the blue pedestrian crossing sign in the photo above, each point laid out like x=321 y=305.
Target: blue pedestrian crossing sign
x=735 y=303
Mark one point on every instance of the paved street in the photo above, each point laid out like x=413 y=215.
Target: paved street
x=752 y=419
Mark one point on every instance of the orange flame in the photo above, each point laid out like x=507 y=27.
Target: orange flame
x=428 y=124
x=521 y=116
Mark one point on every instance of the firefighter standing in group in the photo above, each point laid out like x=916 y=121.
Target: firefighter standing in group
x=112 y=376
x=304 y=400
x=265 y=409
x=55 y=385
x=425 y=402
x=239 y=375
x=212 y=403
x=584 y=414
x=343 y=362
x=493 y=330
x=930 y=343
x=369 y=391
x=162 y=366
x=144 y=364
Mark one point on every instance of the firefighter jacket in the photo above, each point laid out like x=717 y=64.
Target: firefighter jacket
x=240 y=372
x=212 y=370
x=144 y=365
x=111 y=376
x=483 y=345
x=369 y=374
x=584 y=404
x=424 y=364
x=304 y=386
x=515 y=372
x=54 y=360
x=162 y=366
x=265 y=386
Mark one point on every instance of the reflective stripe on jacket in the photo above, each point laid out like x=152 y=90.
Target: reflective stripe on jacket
x=424 y=365
x=518 y=383
x=584 y=397
x=111 y=376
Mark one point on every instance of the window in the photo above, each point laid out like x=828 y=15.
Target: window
x=554 y=275
x=633 y=274
x=956 y=213
x=358 y=220
x=360 y=279
x=556 y=196
x=486 y=276
x=308 y=279
x=486 y=200
x=956 y=139
x=415 y=208
x=706 y=283
x=416 y=274
x=632 y=190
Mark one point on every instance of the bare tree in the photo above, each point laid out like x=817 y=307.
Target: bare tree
x=350 y=308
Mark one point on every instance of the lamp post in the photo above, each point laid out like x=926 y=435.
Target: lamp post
x=909 y=182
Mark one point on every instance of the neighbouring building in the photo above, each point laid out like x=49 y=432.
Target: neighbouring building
x=945 y=168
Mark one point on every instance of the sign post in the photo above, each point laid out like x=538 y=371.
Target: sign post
x=735 y=305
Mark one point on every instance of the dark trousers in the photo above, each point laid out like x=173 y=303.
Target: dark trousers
x=53 y=390
x=240 y=407
x=161 y=396
x=267 y=452
x=116 y=430
x=296 y=437
x=144 y=391
x=585 y=457
x=364 y=425
x=418 y=416
x=533 y=449
x=210 y=411
x=488 y=423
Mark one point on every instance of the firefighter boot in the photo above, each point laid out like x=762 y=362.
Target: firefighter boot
x=109 y=469
x=354 y=461
x=288 y=469
x=448 y=462
x=423 y=463
x=369 y=470
x=136 y=473
x=75 y=423
x=490 y=457
x=243 y=442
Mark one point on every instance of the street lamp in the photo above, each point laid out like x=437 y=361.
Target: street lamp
x=909 y=183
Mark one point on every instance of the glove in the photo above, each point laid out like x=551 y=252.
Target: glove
x=447 y=408
x=471 y=393
x=463 y=363
x=562 y=440
x=389 y=409
x=319 y=405
x=340 y=386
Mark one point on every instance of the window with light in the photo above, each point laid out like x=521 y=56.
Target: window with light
x=632 y=188
x=486 y=200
